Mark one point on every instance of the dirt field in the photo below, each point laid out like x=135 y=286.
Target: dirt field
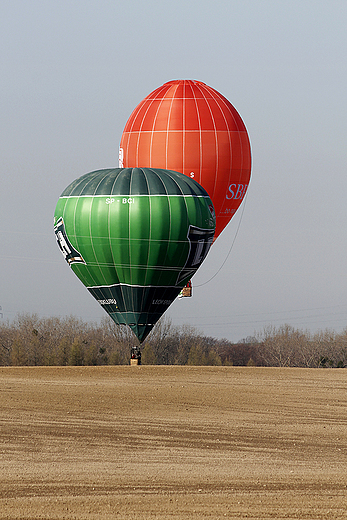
x=157 y=442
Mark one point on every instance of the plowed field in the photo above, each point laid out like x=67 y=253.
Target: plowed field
x=165 y=442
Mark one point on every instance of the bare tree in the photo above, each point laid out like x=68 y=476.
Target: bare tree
x=279 y=345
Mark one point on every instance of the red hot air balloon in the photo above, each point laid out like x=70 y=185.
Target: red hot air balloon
x=189 y=127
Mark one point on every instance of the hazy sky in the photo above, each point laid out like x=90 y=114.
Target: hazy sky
x=72 y=71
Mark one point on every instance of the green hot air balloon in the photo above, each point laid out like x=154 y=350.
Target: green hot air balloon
x=134 y=237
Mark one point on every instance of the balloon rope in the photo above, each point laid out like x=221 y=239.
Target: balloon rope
x=232 y=244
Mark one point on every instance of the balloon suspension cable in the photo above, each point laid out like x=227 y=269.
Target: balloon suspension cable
x=231 y=247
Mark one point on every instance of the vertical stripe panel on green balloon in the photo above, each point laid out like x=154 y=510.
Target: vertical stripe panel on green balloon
x=179 y=246
x=159 y=239
x=119 y=237
x=139 y=233
x=83 y=218
x=100 y=238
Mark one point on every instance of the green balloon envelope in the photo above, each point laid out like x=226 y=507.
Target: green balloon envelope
x=134 y=237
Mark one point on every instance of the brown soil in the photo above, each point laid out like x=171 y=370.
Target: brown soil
x=157 y=442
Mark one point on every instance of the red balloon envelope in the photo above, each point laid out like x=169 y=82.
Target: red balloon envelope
x=187 y=126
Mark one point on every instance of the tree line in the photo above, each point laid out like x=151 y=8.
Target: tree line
x=33 y=341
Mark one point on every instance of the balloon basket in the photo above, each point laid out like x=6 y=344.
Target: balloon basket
x=187 y=292
x=135 y=358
